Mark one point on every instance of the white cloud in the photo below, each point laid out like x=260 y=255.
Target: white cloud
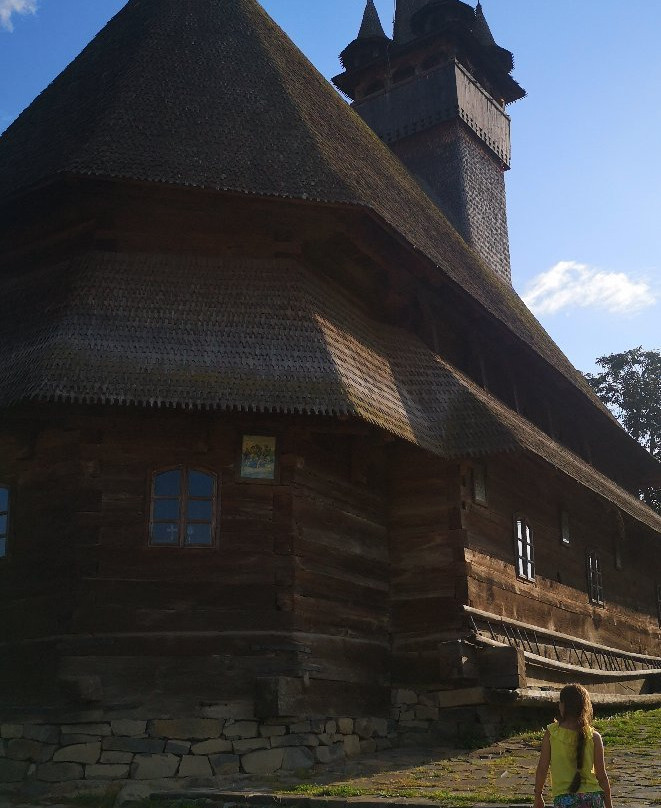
x=9 y=7
x=570 y=285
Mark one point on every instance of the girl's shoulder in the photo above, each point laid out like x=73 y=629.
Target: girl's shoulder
x=556 y=731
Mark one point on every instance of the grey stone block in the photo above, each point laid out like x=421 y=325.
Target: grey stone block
x=301 y=726
x=116 y=757
x=102 y=729
x=153 y=767
x=317 y=725
x=136 y=745
x=368 y=746
x=402 y=696
x=364 y=727
x=25 y=749
x=213 y=747
x=46 y=733
x=325 y=739
x=192 y=729
x=129 y=727
x=101 y=771
x=329 y=754
x=331 y=727
x=345 y=726
x=240 y=729
x=351 y=746
x=383 y=743
x=70 y=740
x=242 y=709
x=271 y=730
x=177 y=747
x=11 y=731
x=79 y=753
x=264 y=761
x=297 y=757
x=295 y=740
x=249 y=745
x=13 y=771
x=225 y=764
x=195 y=766
x=59 y=772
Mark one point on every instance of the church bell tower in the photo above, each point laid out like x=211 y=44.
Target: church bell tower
x=436 y=94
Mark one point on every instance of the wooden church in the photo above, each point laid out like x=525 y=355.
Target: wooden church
x=288 y=471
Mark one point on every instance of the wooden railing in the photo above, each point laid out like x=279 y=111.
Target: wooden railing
x=558 y=650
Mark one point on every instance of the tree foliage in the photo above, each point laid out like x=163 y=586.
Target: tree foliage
x=630 y=386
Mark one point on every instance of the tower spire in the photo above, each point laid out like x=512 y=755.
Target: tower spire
x=481 y=30
x=371 y=26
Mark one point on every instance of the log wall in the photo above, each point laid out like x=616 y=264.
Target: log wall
x=427 y=556
x=144 y=620
x=340 y=600
x=558 y=598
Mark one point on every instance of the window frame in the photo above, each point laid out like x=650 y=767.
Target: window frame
x=8 y=522
x=524 y=559
x=595 y=578
x=183 y=500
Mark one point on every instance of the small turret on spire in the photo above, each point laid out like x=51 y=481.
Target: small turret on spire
x=481 y=29
x=371 y=27
x=371 y=43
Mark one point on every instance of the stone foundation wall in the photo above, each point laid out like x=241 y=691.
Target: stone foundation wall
x=461 y=717
x=154 y=749
x=130 y=749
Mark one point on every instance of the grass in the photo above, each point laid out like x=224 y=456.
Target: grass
x=444 y=797
x=636 y=728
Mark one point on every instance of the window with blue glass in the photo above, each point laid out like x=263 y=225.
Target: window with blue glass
x=4 y=520
x=184 y=508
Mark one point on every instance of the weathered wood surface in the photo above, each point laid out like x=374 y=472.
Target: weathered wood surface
x=427 y=583
x=558 y=598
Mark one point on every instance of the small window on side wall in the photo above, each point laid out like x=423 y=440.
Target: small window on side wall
x=479 y=484
x=565 y=527
x=4 y=520
x=595 y=580
x=525 y=551
x=184 y=506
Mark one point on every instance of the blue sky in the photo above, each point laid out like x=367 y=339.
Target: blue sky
x=584 y=192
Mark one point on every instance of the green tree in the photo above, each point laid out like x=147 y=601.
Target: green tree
x=630 y=386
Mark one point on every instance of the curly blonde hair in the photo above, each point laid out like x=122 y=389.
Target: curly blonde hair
x=578 y=706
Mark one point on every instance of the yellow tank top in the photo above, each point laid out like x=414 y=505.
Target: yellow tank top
x=563 y=761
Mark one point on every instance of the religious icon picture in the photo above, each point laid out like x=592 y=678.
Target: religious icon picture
x=258 y=458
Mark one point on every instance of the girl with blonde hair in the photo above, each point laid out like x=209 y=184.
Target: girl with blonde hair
x=575 y=753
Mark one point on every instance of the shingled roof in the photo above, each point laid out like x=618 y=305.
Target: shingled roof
x=214 y=95
x=251 y=335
